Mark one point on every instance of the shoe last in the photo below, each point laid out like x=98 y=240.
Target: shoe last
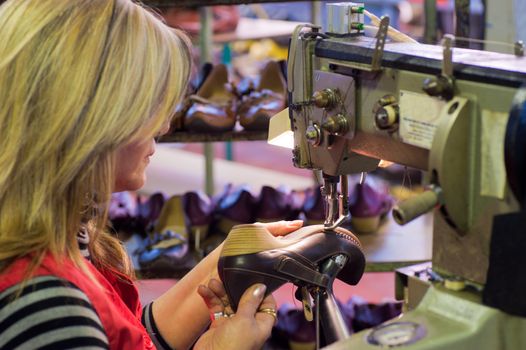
x=367 y=207
x=269 y=98
x=212 y=107
x=251 y=254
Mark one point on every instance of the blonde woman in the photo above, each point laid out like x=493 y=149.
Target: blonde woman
x=85 y=86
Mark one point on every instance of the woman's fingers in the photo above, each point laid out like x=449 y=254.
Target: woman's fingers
x=212 y=301
x=250 y=300
x=219 y=290
x=253 y=303
x=217 y=287
x=281 y=228
x=267 y=311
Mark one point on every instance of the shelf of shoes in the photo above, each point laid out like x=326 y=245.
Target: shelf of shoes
x=212 y=112
x=257 y=28
x=184 y=136
x=206 y=40
x=183 y=3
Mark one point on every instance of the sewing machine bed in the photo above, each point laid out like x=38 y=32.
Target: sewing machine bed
x=394 y=246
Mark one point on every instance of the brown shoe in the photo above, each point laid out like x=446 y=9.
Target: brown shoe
x=212 y=107
x=251 y=254
x=269 y=98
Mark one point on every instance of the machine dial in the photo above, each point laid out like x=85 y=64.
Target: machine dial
x=387 y=113
x=396 y=334
x=336 y=124
x=326 y=98
x=313 y=135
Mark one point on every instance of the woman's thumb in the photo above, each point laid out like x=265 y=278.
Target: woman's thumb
x=251 y=299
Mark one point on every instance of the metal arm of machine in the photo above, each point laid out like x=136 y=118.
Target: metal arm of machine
x=337 y=209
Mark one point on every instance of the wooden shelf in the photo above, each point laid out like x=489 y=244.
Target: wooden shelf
x=195 y=3
x=185 y=136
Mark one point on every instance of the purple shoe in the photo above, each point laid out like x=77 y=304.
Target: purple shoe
x=237 y=206
x=199 y=213
x=275 y=204
x=314 y=207
x=166 y=252
x=292 y=330
x=149 y=211
x=359 y=314
x=368 y=205
x=165 y=255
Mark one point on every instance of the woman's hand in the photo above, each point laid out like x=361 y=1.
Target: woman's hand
x=282 y=228
x=248 y=328
x=181 y=305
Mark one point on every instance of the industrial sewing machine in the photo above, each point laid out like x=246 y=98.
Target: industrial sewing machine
x=460 y=115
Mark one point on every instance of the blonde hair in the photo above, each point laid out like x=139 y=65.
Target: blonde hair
x=78 y=79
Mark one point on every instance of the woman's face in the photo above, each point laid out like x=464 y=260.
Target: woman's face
x=131 y=162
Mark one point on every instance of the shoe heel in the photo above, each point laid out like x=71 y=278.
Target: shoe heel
x=249 y=239
x=242 y=281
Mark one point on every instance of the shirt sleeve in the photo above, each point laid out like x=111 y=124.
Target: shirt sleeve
x=49 y=313
x=149 y=323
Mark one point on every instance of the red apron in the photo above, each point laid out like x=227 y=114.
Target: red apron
x=117 y=303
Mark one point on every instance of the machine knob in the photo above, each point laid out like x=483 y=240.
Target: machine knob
x=440 y=86
x=336 y=124
x=313 y=135
x=325 y=98
x=386 y=113
x=386 y=117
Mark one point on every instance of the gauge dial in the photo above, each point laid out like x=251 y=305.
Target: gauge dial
x=396 y=334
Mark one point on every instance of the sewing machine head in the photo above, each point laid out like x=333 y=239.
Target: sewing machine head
x=356 y=100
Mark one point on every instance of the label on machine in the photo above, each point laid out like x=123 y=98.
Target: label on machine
x=419 y=116
x=492 y=167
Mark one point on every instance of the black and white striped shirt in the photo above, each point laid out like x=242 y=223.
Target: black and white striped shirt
x=52 y=313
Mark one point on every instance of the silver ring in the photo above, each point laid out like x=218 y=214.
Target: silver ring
x=217 y=315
